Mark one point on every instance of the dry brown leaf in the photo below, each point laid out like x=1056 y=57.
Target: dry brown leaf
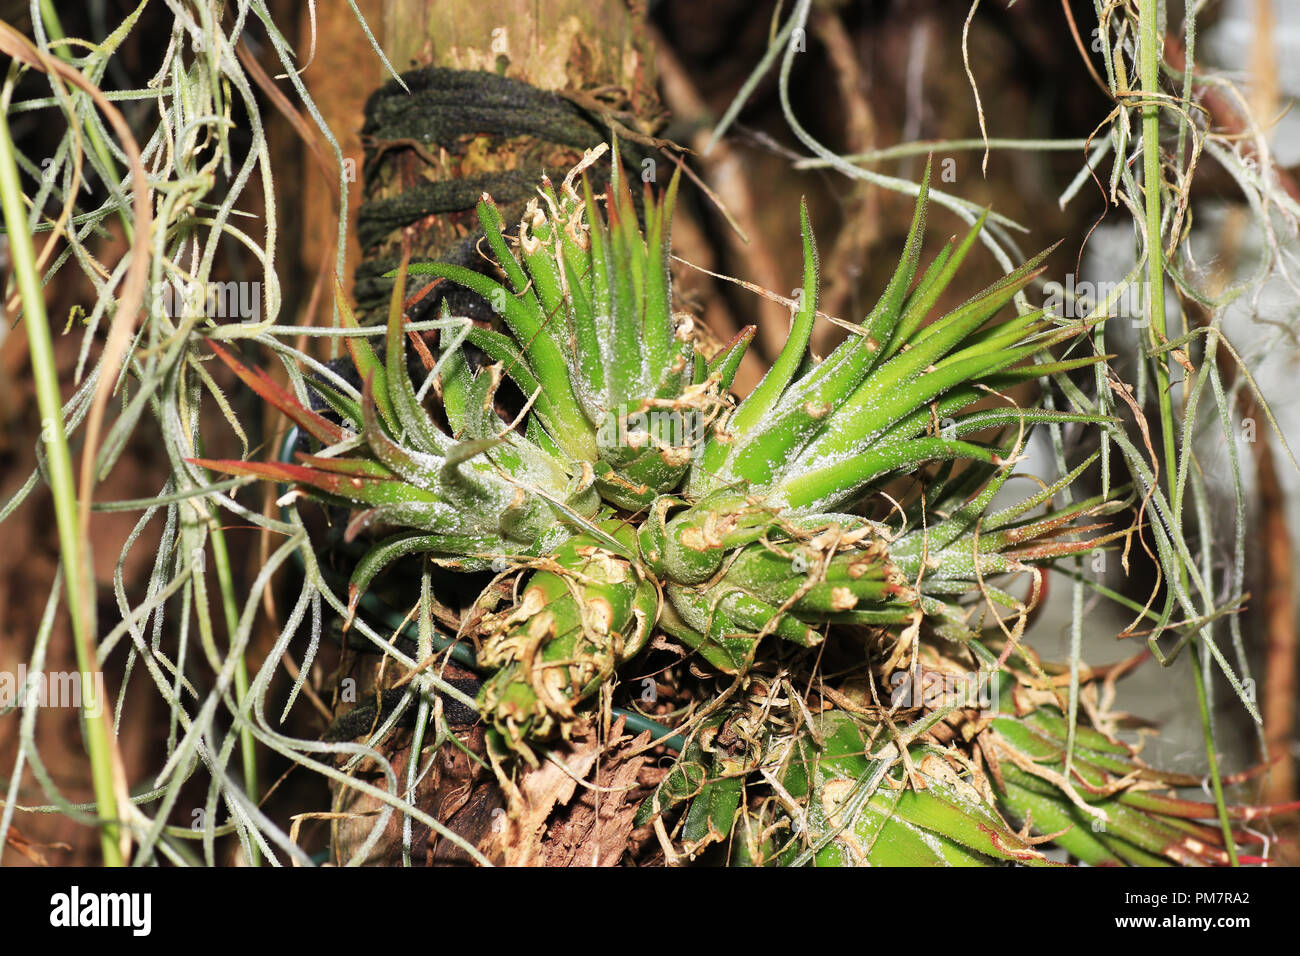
x=595 y=829
x=539 y=792
x=29 y=849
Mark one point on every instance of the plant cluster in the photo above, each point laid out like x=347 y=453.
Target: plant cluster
x=630 y=498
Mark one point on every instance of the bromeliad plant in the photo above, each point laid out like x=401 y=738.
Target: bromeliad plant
x=632 y=495
x=774 y=779
x=748 y=526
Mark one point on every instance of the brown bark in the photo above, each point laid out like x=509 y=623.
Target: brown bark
x=343 y=72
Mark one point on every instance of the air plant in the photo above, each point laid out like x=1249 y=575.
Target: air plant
x=981 y=772
x=631 y=495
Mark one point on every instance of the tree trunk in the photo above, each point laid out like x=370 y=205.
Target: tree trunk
x=426 y=159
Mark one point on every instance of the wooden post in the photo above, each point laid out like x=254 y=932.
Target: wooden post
x=588 y=47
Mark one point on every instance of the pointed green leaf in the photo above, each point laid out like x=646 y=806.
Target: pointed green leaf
x=364 y=358
x=416 y=425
